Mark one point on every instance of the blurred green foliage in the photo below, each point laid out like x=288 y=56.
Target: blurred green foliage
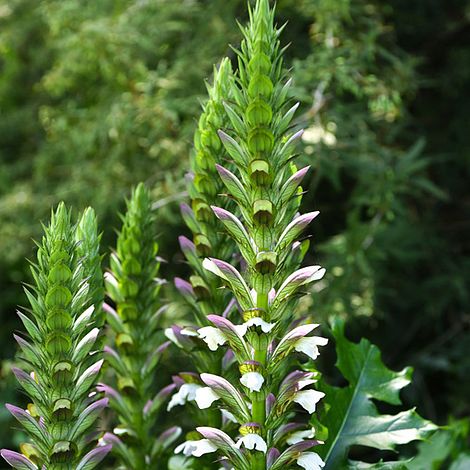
x=98 y=95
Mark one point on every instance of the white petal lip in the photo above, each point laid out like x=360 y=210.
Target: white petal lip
x=299 y=436
x=309 y=345
x=205 y=396
x=308 y=399
x=187 y=392
x=212 y=336
x=196 y=448
x=252 y=380
x=257 y=321
x=310 y=461
x=188 y=332
x=253 y=441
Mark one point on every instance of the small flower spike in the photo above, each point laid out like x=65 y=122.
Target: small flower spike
x=61 y=350
x=133 y=285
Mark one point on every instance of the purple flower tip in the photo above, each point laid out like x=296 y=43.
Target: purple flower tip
x=223 y=135
x=163 y=347
x=185 y=209
x=220 y=213
x=110 y=438
x=20 y=374
x=222 y=171
x=95 y=456
x=17 y=460
x=221 y=322
x=108 y=309
x=183 y=286
x=107 y=390
x=186 y=244
x=165 y=391
x=302 y=172
x=273 y=455
x=304 y=445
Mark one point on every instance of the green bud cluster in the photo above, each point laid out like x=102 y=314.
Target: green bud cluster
x=205 y=186
x=60 y=353
x=88 y=249
x=133 y=286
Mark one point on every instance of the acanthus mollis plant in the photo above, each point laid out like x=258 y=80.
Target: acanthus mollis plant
x=134 y=287
x=62 y=365
x=265 y=396
x=202 y=292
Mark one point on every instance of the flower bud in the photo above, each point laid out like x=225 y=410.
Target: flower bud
x=262 y=211
x=202 y=210
x=260 y=62
x=253 y=313
x=200 y=287
x=249 y=366
x=203 y=245
x=58 y=343
x=260 y=85
x=260 y=172
x=266 y=262
x=63 y=452
x=62 y=409
x=250 y=428
x=259 y=113
x=260 y=139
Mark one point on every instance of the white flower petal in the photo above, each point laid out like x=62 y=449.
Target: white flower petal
x=212 y=336
x=187 y=392
x=257 y=321
x=304 y=383
x=254 y=296
x=310 y=461
x=252 y=380
x=308 y=399
x=188 y=332
x=241 y=329
x=309 y=345
x=196 y=448
x=170 y=334
x=205 y=396
x=253 y=441
x=108 y=277
x=228 y=416
x=212 y=267
x=299 y=436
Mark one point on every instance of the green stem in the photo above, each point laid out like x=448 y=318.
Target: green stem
x=258 y=411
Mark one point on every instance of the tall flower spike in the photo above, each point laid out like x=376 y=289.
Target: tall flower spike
x=133 y=286
x=202 y=292
x=264 y=183
x=59 y=353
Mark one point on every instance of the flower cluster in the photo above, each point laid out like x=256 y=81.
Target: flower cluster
x=262 y=335
x=202 y=292
x=60 y=352
x=133 y=286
